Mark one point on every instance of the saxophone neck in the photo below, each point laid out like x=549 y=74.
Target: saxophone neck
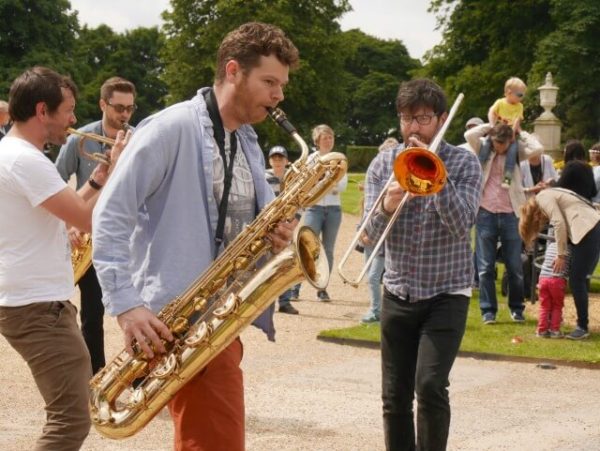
x=281 y=119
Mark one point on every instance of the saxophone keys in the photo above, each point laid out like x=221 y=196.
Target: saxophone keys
x=199 y=303
x=199 y=335
x=167 y=366
x=241 y=263
x=256 y=246
x=180 y=325
x=228 y=307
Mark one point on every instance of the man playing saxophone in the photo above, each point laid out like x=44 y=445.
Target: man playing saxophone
x=428 y=273
x=193 y=180
x=117 y=102
x=36 y=277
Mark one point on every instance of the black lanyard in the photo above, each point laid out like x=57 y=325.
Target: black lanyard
x=219 y=133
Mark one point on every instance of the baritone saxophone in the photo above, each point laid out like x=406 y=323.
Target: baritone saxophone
x=232 y=292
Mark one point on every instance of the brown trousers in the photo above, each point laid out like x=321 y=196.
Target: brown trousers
x=208 y=412
x=48 y=338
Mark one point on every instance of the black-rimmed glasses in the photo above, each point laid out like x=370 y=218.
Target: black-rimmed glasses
x=422 y=119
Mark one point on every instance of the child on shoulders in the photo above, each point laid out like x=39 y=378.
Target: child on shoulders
x=508 y=110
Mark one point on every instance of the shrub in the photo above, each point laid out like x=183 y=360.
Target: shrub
x=359 y=157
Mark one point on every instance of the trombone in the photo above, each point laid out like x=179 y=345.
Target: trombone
x=420 y=172
x=96 y=156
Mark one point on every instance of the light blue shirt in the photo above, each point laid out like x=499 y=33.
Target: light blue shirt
x=155 y=221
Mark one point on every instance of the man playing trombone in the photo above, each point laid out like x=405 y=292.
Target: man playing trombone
x=117 y=102
x=428 y=273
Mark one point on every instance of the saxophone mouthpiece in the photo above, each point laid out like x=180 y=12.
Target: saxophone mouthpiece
x=280 y=118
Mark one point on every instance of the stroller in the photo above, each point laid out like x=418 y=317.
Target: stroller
x=532 y=264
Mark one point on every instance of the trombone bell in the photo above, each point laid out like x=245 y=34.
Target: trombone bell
x=419 y=171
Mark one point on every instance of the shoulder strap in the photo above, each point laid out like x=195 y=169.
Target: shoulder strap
x=219 y=132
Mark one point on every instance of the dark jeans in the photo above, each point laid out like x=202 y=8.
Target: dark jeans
x=584 y=256
x=92 y=318
x=419 y=343
x=491 y=227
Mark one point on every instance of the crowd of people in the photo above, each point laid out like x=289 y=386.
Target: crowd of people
x=195 y=171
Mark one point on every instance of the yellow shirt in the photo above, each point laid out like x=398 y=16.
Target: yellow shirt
x=507 y=112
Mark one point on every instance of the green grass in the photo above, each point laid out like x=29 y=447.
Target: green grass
x=479 y=338
x=352 y=197
x=498 y=338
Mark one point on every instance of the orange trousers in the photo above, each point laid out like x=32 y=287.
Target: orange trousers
x=208 y=412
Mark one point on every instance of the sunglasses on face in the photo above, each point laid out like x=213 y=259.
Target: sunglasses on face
x=122 y=108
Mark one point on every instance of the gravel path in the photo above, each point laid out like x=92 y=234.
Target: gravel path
x=305 y=394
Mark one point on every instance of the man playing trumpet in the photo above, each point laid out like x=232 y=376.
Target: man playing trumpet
x=117 y=102
x=428 y=273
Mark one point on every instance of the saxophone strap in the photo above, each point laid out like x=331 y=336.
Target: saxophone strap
x=219 y=133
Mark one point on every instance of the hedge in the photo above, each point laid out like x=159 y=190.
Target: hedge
x=359 y=157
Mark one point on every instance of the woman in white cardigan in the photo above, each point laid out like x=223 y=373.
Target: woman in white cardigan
x=538 y=173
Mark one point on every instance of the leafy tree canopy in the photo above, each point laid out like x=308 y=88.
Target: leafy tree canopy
x=484 y=44
x=195 y=28
x=35 y=32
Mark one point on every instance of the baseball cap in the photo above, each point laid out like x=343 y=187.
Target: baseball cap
x=278 y=150
x=473 y=122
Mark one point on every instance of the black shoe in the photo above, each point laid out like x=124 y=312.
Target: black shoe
x=517 y=317
x=578 y=334
x=289 y=309
x=323 y=296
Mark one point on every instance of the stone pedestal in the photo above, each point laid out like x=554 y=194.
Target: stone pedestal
x=547 y=126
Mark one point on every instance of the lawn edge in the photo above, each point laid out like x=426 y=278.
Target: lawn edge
x=476 y=355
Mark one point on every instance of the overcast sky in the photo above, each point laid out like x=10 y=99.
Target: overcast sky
x=406 y=20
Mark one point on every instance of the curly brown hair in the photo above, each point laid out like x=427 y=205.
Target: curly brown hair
x=249 y=42
x=532 y=221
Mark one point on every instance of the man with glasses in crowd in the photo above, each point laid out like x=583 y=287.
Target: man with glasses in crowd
x=428 y=273
x=117 y=102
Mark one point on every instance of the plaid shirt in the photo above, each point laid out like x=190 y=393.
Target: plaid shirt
x=428 y=250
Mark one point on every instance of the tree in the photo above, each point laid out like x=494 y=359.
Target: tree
x=374 y=68
x=195 y=28
x=134 y=55
x=570 y=52
x=35 y=32
x=484 y=44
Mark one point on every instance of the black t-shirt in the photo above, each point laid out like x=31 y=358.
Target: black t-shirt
x=537 y=173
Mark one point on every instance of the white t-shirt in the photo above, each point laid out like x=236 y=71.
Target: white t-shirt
x=35 y=254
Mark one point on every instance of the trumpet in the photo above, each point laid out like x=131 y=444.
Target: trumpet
x=96 y=156
x=81 y=257
x=420 y=172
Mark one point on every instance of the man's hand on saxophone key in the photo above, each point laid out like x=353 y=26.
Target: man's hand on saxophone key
x=282 y=235
x=142 y=326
